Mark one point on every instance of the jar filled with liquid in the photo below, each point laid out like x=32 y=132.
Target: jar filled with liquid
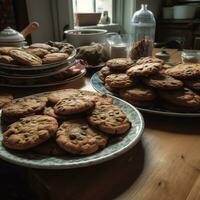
x=142 y=33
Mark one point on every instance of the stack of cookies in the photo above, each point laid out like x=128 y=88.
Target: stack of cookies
x=36 y=54
x=66 y=121
x=151 y=83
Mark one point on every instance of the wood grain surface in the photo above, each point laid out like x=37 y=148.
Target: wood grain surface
x=165 y=165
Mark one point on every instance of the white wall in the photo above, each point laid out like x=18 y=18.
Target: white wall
x=40 y=11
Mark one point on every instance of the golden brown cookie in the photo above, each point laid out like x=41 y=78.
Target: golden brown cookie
x=138 y=93
x=183 y=97
x=25 y=58
x=4 y=99
x=6 y=50
x=49 y=148
x=40 y=45
x=38 y=51
x=24 y=106
x=183 y=71
x=6 y=59
x=103 y=72
x=120 y=63
x=145 y=60
x=192 y=83
x=30 y=131
x=162 y=81
x=119 y=81
x=144 y=69
x=54 y=57
x=73 y=104
x=56 y=96
x=109 y=119
x=76 y=137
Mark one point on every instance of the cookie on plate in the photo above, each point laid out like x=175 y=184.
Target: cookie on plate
x=56 y=96
x=76 y=137
x=6 y=50
x=40 y=45
x=4 y=99
x=49 y=148
x=144 y=70
x=183 y=97
x=111 y=89
x=183 y=71
x=119 y=81
x=109 y=119
x=192 y=83
x=138 y=93
x=30 y=131
x=25 y=58
x=162 y=81
x=54 y=57
x=145 y=60
x=6 y=59
x=103 y=72
x=24 y=106
x=73 y=104
x=120 y=63
x=38 y=51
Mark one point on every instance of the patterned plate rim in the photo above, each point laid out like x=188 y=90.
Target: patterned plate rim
x=136 y=132
x=98 y=86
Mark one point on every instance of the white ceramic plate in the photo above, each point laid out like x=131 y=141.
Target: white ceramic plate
x=116 y=147
x=98 y=86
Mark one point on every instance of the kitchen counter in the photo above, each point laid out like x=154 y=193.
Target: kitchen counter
x=164 y=165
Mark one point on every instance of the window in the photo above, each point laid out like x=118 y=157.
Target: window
x=87 y=6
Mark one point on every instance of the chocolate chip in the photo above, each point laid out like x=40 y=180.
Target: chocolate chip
x=72 y=136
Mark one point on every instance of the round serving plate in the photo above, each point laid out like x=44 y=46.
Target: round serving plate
x=116 y=147
x=98 y=86
x=56 y=83
x=65 y=62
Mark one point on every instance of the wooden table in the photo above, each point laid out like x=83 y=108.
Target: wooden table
x=165 y=165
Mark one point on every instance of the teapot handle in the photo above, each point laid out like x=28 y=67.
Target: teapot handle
x=30 y=28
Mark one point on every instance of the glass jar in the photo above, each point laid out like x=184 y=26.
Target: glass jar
x=142 y=33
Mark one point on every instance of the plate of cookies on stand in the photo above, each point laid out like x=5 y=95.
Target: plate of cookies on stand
x=152 y=86
x=39 y=65
x=68 y=128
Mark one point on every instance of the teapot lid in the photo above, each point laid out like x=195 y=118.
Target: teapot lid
x=9 y=35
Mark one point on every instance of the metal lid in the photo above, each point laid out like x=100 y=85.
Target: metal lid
x=9 y=35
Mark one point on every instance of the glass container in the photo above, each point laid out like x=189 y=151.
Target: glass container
x=142 y=33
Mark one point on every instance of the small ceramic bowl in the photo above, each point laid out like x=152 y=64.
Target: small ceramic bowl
x=83 y=37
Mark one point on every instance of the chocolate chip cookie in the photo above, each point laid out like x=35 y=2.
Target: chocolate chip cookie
x=38 y=52
x=103 y=72
x=162 y=81
x=183 y=71
x=183 y=97
x=6 y=50
x=25 y=58
x=4 y=99
x=73 y=104
x=24 y=106
x=49 y=148
x=144 y=69
x=30 y=131
x=40 y=45
x=6 y=59
x=120 y=63
x=56 y=96
x=54 y=57
x=119 y=81
x=145 y=60
x=109 y=119
x=77 y=137
x=138 y=93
